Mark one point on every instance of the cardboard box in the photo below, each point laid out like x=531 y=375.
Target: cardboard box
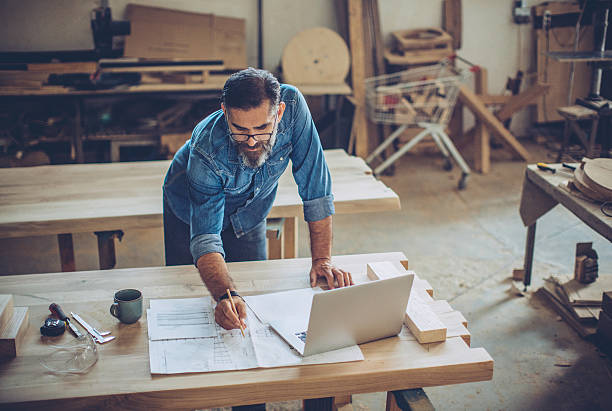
x=171 y=34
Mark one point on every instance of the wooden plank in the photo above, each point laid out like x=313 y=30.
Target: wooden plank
x=382 y=270
x=423 y=322
x=358 y=75
x=12 y=335
x=482 y=113
x=69 y=67
x=519 y=101
x=453 y=21
x=586 y=294
x=451 y=318
x=494 y=99
x=6 y=309
x=482 y=149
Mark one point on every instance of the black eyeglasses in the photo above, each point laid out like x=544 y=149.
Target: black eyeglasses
x=261 y=137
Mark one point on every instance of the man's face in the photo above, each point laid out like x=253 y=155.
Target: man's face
x=258 y=120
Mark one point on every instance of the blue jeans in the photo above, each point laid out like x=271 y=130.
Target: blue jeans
x=250 y=247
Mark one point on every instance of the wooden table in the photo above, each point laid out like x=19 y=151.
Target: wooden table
x=542 y=192
x=65 y=199
x=121 y=378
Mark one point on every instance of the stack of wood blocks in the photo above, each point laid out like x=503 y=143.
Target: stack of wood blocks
x=427 y=319
x=13 y=326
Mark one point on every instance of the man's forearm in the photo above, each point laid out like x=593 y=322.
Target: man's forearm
x=320 y=238
x=213 y=271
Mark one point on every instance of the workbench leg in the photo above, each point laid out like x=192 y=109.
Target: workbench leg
x=339 y=100
x=106 y=248
x=343 y=403
x=78 y=132
x=66 y=250
x=290 y=237
x=529 y=246
x=319 y=404
x=408 y=400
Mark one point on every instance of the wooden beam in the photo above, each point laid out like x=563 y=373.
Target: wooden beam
x=527 y=97
x=482 y=152
x=494 y=99
x=471 y=100
x=453 y=21
x=360 y=127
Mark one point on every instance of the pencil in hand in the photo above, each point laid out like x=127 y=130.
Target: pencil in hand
x=235 y=311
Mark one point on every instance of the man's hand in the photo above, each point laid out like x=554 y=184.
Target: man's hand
x=322 y=267
x=225 y=316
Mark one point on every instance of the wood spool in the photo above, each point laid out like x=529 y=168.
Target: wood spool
x=315 y=56
x=598 y=175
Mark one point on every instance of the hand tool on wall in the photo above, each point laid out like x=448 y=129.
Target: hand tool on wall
x=97 y=335
x=57 y=310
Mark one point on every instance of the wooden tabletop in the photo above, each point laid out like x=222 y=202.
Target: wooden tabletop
x=121 y=378
x=111 y=196
x=532 y=207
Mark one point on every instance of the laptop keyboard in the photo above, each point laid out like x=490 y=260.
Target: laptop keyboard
x=301 y=336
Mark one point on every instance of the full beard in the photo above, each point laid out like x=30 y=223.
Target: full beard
x=256 y=158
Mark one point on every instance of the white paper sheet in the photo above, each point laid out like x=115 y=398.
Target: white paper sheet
x=229 y=350
x=181 y=318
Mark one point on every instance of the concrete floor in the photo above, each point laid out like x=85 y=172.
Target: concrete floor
x=465 y=243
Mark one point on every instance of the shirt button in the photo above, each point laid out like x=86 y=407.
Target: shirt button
x=281 y=159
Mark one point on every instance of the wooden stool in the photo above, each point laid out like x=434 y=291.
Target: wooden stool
x=572 y=115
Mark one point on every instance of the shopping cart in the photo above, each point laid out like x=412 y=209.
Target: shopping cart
x=423 y=97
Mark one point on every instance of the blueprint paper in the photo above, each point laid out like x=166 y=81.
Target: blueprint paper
x=228 y=349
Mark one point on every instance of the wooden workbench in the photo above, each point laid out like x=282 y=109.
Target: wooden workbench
x=542 y=191
x=121 y=378
x=66 y=199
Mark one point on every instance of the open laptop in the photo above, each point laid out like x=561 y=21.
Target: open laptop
x=351 y=315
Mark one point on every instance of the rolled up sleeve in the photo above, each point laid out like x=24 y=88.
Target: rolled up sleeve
x=207 y=203
x=310 y=169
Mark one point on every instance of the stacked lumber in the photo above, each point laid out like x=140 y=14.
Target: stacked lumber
x=577 y=303
x=427 y=319
x=175 y=71
x=14 y=323
x=36 y=75
x=592 y=180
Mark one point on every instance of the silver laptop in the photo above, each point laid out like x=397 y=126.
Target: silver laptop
x=351 y=315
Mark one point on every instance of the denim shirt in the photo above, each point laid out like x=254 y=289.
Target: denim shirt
x=209 y=187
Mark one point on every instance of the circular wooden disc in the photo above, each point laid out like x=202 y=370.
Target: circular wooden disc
x=598 y=173
x=585 y=187
x=315 y=56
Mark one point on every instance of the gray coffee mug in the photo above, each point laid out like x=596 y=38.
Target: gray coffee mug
x=127 y=306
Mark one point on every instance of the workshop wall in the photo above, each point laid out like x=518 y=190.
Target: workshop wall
x=490 y=38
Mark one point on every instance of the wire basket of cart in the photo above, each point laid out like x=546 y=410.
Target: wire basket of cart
x=422 y=97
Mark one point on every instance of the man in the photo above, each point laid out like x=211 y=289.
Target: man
x=221 y=185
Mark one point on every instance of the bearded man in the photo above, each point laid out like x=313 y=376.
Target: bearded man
x=221 y=185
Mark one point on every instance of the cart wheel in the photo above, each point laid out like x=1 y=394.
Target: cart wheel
x=448 y=164
x=462 y=181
